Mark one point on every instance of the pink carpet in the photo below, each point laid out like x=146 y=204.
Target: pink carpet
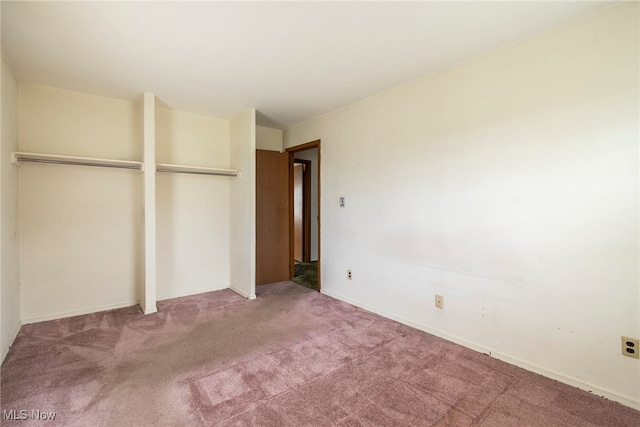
x=293 y=357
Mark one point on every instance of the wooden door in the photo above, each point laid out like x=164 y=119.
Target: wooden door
x=272 y=217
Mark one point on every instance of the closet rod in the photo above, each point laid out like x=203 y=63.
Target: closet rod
x=18 y=157
x=200 y=173
x=62 y=162
x=195 y=170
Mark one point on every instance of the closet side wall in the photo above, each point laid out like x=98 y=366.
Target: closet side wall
x=80 y=227
x=10 y=264
x=243 y=205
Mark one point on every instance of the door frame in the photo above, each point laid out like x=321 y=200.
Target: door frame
x=292 y=151
x=306 y=208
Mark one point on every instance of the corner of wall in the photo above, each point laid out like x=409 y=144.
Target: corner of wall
x=243 y=197
x=10 y=320
x=12 y=337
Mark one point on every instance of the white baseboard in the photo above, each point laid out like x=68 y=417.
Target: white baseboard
x=114 y=306
x=191 y=292
x=242 y=293
x=625 y=400
x=79 y=312
x=12 y=338
x=148 y=310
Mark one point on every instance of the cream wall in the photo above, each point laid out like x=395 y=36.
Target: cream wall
x=9 y=241
x=56 y=121
x=80 y=227
x=509 y=185
x=191 y=139
x=192 y=210
x=268 y=138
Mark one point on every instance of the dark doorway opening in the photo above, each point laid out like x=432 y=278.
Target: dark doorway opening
x=304 y=214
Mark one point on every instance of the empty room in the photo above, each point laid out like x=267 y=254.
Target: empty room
x=320 y=213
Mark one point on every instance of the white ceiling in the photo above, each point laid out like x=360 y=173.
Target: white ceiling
x=292 y=61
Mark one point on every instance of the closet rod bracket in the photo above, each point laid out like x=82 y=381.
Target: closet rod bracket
x=14 y=159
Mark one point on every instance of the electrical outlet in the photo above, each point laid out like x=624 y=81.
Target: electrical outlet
x=439 y=301
x=342 y=202
x=631 y=347
x=349 y=275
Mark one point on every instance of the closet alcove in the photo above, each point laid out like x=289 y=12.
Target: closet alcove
x=126 y=202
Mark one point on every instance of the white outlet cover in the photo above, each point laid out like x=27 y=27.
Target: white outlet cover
x=632 y=344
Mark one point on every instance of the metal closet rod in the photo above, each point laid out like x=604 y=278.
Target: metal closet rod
x=18 y=157
x=63 y=162
x=199 y=173
x=195 y=170
x=57 y=159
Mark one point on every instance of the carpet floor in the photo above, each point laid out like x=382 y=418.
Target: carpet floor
x=292 y=357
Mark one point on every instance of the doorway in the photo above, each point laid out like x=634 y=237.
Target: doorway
x=304 y=214
x=275 y=256
x=302 y=210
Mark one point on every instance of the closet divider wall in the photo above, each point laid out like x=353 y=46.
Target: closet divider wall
x=95 y=238
x=148 y=294
x=243 y=205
